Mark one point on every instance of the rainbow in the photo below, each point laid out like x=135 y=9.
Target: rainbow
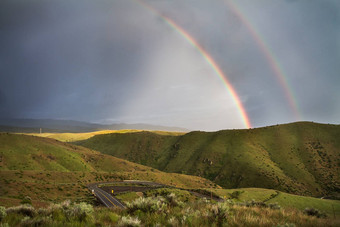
x=208 y=59
x=270 y=57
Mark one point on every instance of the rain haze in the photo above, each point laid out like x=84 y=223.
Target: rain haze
x=129 y=61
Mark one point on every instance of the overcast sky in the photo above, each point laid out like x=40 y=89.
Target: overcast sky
x=115 y=61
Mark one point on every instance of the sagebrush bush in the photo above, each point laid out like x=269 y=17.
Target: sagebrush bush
x=218 y=212
x=26 y=200
x=4 y=225
x=149 y=204
x=2 y=213
x=172 y=200
x=25 y=209
x=236 y=194
x=274 y=206
x=65 y=204
x=79 y=211
x=39 y=221
x=173 y=221
x=254 y=203
x=314 y=212
x=127 y=221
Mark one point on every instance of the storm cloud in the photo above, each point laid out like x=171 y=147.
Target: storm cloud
x=112 y=61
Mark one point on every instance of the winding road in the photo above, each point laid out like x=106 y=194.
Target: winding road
x=107 y=199
x=110 y=201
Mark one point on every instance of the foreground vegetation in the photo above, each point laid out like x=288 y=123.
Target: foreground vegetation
x=300 y=158
x=164 y=209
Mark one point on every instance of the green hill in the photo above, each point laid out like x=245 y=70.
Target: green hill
x=48 y=170
x=285 y=200
x=301 y=158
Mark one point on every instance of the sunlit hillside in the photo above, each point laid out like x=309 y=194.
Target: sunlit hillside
x=72 y=137
x=301 y=158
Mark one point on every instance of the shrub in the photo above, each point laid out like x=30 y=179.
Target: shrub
x=172 y=200
x=65 y=205
x=254 y=203
x=2 y=213
x=219 y=212
x=79 y=211
x=43 y=212
x=235 y=194
x=26 y=200
x=314 y=212
x=129 y=221
x=204 y=200
x=173 y=221
x=274 y=206
x=40 y=221
x=147 y=204
x=50 y=210
x=26 y=210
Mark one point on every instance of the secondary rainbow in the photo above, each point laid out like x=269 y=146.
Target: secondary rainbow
x=269 y=55
x=208 y=59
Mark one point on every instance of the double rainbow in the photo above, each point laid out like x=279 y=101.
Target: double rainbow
x=207 y=58
x=269 y=55
x=260 y=41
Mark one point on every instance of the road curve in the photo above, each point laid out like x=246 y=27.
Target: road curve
x=107 y=199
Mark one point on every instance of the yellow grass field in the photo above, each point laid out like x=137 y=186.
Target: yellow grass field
x=72 y=137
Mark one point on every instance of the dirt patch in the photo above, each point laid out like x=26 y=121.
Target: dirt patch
x=140 y=194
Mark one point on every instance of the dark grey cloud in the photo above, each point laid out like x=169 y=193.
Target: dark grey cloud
x=116 y=61
x=304 y=38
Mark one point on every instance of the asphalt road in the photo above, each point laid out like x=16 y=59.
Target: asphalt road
x=107 y=199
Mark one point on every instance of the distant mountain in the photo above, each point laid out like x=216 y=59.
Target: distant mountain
x=50 y=125
x=301 y=158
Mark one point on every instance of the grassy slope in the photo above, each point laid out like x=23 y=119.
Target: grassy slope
x=301 y=158
x=283 y=199
x=49 y=170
